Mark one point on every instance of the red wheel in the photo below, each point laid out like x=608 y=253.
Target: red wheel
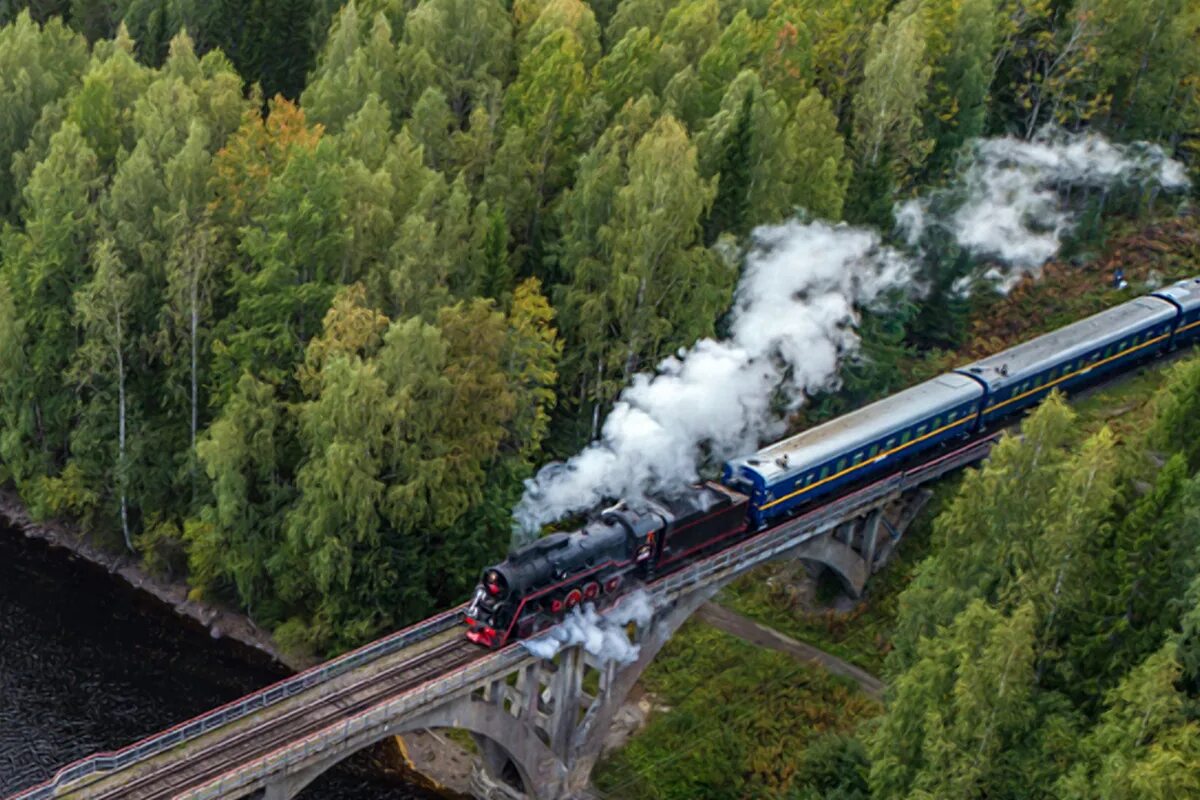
x=556 y=606
x=612 y=584
x=573 y=598
x=591 y=590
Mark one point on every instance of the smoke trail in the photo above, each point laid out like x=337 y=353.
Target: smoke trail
x=602 y=635
x=795 y=312
x=792 y=322
x=1009 y=200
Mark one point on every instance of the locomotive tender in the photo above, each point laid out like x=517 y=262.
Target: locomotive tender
x=538 y=584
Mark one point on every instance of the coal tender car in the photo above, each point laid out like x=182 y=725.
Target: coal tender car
x=536 y=585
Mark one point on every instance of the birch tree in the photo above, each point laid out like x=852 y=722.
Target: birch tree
x=102 y=311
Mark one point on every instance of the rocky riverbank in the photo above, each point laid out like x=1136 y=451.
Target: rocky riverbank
x=217 y=621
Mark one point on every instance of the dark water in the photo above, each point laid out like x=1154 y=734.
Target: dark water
x=87 y=664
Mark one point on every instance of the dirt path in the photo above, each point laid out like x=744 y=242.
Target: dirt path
x=760 y=635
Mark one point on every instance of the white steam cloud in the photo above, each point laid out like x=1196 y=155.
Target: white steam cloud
x=1008 y=203
x=602 y=635
x=795 y=313
x=792 y=322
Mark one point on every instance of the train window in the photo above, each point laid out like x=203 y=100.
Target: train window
x=904 y=437
x=858 y=457
x=921 y=430
x=953 y=415
x=841 y=465
x=825 y=472
x=890 y=443
x=873 y=451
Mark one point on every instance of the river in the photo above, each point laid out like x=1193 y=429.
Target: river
x=89 y=664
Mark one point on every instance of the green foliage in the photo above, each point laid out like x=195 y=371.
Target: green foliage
x=40 y=65
x=1177 y=416
x=640 y=283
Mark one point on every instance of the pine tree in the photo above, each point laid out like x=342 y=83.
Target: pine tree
x=248 y=455
x=888 y=106
x=359 y=60
x=644 y=285
x=1176 y=413
x=44 y=266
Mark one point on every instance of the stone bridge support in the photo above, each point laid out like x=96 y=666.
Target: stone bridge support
x=860 y=547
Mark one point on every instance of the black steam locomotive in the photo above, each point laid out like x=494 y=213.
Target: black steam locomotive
x=536 y=585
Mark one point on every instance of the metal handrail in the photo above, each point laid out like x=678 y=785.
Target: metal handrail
x=242 y=707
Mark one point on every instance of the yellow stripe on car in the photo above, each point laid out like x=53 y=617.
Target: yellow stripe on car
x=988 y=410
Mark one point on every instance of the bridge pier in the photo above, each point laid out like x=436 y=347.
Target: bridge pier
x=858 y=548
x=568 y=704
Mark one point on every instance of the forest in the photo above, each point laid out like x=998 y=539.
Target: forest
x=294 y=294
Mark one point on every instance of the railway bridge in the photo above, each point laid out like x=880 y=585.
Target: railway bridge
x=539 y=724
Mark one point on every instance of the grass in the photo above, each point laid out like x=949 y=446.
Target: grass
x=739 y=720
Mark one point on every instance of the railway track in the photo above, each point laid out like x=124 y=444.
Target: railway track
x=177 y=776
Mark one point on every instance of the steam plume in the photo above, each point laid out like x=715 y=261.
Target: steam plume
x=794 y=315
x=1009 y=200
x=602 y=635
x=792 y=322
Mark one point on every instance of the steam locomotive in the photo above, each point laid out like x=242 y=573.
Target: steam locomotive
x=625 y=545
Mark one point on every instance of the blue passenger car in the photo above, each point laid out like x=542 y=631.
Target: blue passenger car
x=1184 y=295
x=1073 y=355
x=864 y=443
